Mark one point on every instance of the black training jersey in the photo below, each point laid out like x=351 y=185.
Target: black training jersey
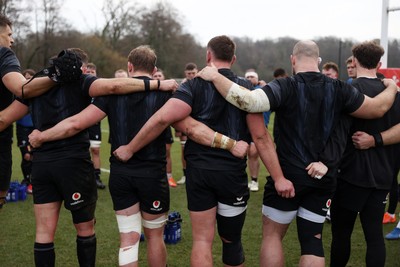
x=57 y=104
x=371 y=168
x=126 y=116
x=308 y=108
x=8 y=63
x=210 y=108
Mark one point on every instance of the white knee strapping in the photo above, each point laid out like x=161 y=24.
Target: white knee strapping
x=128 y=254
x=156 y=223
x=229 y=211
x=279 y=216
x=130 y=223
x=95 y=143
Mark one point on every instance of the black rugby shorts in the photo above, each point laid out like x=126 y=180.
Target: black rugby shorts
x=151 y=192
x=206 y=188
x=68 y=180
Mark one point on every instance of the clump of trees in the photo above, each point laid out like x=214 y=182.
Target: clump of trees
x=128 y=25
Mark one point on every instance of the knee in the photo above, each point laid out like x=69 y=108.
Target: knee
x=232 y=252
x=310 y=238
x=230 y=232
x=85 y=228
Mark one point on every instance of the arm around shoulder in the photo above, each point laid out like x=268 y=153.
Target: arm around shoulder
x=376 y=107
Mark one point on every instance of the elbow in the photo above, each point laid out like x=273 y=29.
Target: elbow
x=162 y=122
x=74 y=128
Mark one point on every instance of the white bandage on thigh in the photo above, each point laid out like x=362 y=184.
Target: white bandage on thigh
x=156 y=223
x=95 y=143
x=279 y=216
x=229 y=211
x=130 y=223
x=251 y=101
x=128 y=254
x=310 y=216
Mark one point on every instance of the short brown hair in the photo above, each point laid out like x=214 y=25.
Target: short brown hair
x=91 y=66
x=368 y=54
x=4 y=21
x=222 y=47
x=143 y=58
x=190 y=66
x=349 y=60
x=331 y=65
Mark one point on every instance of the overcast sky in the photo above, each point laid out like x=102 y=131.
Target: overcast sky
x=259 y=19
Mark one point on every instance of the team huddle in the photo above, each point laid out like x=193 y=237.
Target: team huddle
x=314 y=161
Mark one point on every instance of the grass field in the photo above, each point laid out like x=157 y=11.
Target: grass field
x=18 y=229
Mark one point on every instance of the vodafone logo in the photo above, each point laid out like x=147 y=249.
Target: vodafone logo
x=328 y=203
x=156 y=204
x=76 y=196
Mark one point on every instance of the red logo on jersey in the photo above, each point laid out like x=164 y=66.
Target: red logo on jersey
x=328 y=203
x=76 y=196
x=156 y=204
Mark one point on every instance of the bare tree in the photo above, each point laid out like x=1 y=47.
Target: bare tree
x=121 y=20
x=160 y=29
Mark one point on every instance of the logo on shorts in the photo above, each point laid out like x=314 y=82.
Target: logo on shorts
x=239 y=201
x=76 y=196
x=328 y=203
x=156 y=204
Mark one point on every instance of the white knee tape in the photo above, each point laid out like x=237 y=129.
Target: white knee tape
x=130 y=223
x=95 y=143
x=129 y=254
x=156 y=223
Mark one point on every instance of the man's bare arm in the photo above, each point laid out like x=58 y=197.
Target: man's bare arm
x=122 y=86
x=68 y=127
x=251 y=101
x=15 y=111
x=266 y=149
x=376 y=107
x=363 y=140
x=172 y=111
x=202 y=134
x=15 y=80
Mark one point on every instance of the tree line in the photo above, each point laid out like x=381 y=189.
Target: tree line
x=128 y=25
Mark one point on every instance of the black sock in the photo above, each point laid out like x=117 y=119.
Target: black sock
x=86 y=250
x=184 y=172
x=254 y=179
x=44 y=255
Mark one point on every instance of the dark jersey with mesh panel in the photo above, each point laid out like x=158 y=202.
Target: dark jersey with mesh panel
x=126 y=116
x=210 y=108
x=57 y=104
x=8 y=63
x=309 y=107
x=371 y=168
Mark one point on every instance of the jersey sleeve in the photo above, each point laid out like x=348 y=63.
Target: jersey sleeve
x=101 y=102
x=8 y=62
x=184 y=92
x=275 y=92
x=353 y=99
x=86 y=82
